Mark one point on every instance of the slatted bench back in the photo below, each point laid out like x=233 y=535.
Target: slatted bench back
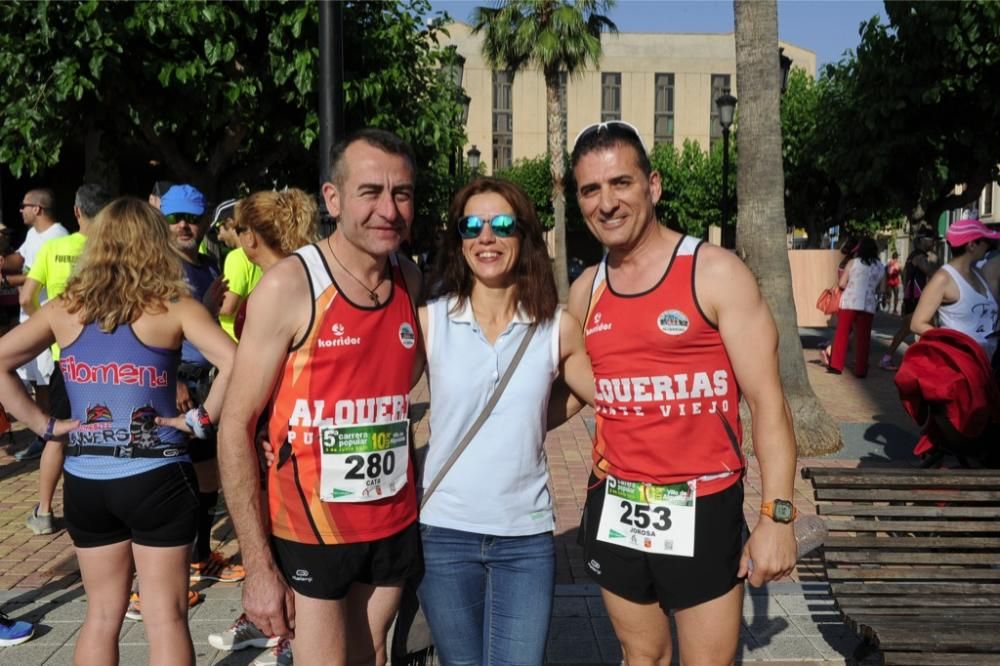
x=913 y=559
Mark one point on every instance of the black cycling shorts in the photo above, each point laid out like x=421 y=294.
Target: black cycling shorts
x=675 y=582
x=156 y=508
x=327 y=572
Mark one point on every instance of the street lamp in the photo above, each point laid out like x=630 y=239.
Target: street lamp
x=786 y=67
x=473 y=156
x=726 y=104
x=454 y=68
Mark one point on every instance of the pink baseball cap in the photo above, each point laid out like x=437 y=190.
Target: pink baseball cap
x=966 y=231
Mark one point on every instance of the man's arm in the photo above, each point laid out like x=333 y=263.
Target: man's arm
x=277 y=312
x=28 y=295
x=13 y=264
x=730 y=296
x=939 y=289
x=575 y=384
x=414 y=280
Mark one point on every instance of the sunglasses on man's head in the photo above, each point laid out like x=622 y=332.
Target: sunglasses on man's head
x=597 y=128
x=502 y=225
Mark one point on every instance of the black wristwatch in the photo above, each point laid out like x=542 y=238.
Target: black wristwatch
x=780 y=511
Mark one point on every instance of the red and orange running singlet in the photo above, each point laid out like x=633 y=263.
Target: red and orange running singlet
x=352 y=368
x=667 y=402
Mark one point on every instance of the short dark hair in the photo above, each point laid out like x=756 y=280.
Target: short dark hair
x=382 y=139
x=44 y=197
x=535 y=285
x=611 y=135
x=91 y=198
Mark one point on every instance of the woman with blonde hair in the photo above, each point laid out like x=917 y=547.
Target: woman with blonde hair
x=129 y=486
x=270 y=226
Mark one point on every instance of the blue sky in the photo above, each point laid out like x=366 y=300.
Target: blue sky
x=828 y=27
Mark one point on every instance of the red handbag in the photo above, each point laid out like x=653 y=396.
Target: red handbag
x=829 y=300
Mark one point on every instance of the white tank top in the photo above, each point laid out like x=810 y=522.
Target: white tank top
x=973 y=313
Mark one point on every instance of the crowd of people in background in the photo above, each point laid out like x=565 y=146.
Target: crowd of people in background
x=136 y=342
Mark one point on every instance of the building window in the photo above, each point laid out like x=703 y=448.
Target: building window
x=611 y=96
x=663 y=113
x=564 y=104
x=503 y=120
x=988 y=200
x=720 y=85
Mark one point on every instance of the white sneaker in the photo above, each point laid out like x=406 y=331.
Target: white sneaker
x=242 y=634
x=280 y=655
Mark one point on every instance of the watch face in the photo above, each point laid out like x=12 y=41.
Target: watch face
x=782 y=511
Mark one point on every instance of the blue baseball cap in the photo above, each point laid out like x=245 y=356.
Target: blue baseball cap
x=183 y=199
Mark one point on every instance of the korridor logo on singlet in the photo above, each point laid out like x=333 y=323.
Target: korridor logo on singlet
x=673 y=322
x=599 y=326
x=406 y=335
x=341 y=340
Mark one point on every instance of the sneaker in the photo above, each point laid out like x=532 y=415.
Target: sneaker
x=242 y=634
x=280 y=655
x=15 y=632
x=217 y=567
x=134 y=612
x=39 y=523
x=886 y=363
x=33 y=451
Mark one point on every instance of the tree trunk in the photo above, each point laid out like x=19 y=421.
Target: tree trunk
x=557 y=166
x=760 y=234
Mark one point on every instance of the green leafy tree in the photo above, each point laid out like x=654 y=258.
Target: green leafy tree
x=556 y=36
x=223 y=94
x=534 y=175
x=692 y=186
x=914 y=114
x=760 y=234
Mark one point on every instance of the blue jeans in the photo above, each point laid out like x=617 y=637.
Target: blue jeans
x=487 y=598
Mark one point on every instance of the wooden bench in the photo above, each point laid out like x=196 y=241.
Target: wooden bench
x=913 y=560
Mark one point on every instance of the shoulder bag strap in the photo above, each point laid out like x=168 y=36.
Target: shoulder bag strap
x=530 y=333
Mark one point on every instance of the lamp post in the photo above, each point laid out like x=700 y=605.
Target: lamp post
x=455 y=69
x=331 y=82
x=786 y=66
x=726 y=104
x=473 y=156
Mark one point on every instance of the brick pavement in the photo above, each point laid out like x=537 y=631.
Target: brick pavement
x=36 y=569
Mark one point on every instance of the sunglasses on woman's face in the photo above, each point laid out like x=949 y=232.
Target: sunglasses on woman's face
x=502 y=225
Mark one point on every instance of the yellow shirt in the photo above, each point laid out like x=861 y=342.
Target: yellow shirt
x=242 y=275
x=54 y=264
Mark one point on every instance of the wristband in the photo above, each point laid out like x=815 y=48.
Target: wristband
x=49 y=428
x=198 y=420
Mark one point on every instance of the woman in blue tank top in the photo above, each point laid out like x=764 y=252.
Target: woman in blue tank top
x=129 y=487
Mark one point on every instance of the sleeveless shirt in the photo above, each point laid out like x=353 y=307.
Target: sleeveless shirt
x=117 y=386
x=667 y=402
x=353 y=366
x=973 y=313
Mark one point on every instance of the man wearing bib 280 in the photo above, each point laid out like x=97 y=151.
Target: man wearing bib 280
x=677 y=331
x=330 y=347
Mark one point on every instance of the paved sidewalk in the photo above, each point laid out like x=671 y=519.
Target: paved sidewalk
x=787 y=622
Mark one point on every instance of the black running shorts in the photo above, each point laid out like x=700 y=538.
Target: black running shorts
x=155 y=508
x=327 y=572
x=675 y=582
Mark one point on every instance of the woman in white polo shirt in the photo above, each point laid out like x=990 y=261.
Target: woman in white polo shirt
x=487 y=528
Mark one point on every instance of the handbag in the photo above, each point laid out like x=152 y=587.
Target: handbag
x=412 y=643
x=829 y=300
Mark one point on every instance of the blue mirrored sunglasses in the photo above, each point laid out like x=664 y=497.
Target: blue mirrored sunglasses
x=471 y=226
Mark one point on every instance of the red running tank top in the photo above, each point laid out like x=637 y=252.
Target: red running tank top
x=352 y=367
x=667 y=403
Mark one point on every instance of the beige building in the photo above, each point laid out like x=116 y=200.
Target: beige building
x=663 y=83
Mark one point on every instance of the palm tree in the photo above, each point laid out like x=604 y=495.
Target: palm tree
x=556 y=36
x=760 y=234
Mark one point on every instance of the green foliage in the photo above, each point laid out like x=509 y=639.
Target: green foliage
x=692 y=186
x=915 y=113
x=535 y=178
x=224 y=93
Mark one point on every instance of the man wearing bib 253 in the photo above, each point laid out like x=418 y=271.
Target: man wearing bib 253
x=676 y=330
x=330 y=347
